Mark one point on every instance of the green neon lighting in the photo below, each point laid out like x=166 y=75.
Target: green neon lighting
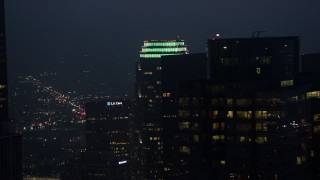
x=179 y=49
x=157 y=55
x=164 y=44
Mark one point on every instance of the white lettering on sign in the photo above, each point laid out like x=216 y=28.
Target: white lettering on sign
x=114 y=103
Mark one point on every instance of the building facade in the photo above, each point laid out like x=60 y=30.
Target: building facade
x=109 y=144
x=252 y=119
x=10 y=142
x=148 y=95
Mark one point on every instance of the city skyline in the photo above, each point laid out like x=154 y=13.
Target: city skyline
x=42 y=33
x=61 y=55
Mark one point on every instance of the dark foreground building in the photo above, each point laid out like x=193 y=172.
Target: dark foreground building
x=255 y=118
x=10 y=142
x=109 y=144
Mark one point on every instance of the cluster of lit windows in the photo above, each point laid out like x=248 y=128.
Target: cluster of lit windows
x=261 y=139
x=218 y=138
x=244 y=139
x=316 y=117
x=185 y=149
x=301 y=159
x=268 y=114
x=2 y=86
x=287 y=83
x=313 y=94
x=167 y=94
x=217 y=126
x=244 y=114
x=184 y=125
x=154 y=138
x=147 y=73
x=261 y=127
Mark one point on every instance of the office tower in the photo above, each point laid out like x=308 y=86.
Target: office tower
x=148 y=98
x=10 y=142
x=174 y=70
x=109 y=143
x=253 y=58
x=3 y=68
x=251 y=119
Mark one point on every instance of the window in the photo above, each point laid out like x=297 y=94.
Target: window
x=184 y=125
x=244 y=114
x=286 y=83
x=261 y=139
x=196 y=138
x=217 y=138
x=230 y=114
x=261 y=127
x=185 y=149
x=244 y=102
x=316 y=129
x=313 y=94
x=258 y=70
x=215 y=126
x=316 y=117
x=261 y=114
x=215 y=113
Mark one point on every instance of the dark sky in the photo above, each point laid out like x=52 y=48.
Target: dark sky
x=111 y=32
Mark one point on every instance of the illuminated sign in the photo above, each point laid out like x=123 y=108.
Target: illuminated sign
x=122 y=162
x=114 y=103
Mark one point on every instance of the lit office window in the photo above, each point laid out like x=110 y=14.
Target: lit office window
x=286 y=83
x=185 y=149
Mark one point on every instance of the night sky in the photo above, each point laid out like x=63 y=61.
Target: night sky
x=106 y=35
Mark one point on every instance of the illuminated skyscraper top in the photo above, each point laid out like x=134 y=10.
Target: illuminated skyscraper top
x=3 y=67
x=158 y=48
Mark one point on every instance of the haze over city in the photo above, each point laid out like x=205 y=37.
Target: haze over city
x=145 y=89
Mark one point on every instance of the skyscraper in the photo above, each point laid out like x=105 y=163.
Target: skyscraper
x=3 y=67
x=251 y=120
x=10 y=142
x=109 y=143
x=148 y=97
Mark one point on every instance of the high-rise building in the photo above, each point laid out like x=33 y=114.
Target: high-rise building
x=251 y=119
x=109 y=143
x=3 y=68
x=253 y=58
x=148 y=97
x=176 y=69
x=10 y=142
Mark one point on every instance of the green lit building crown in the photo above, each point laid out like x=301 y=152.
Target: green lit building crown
x=158 y=48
